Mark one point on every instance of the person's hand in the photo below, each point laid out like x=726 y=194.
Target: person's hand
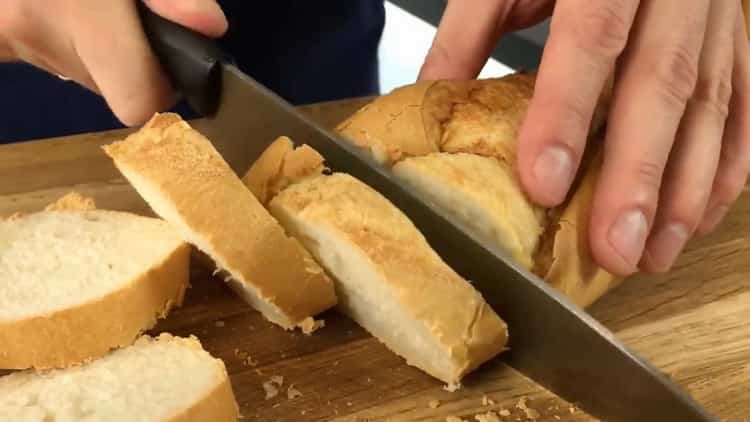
x=677 y=147
x=100 y=45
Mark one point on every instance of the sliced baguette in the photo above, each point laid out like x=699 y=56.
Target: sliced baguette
x=473 y=122
x=169 y=379
x=76 y=282
x=388 y=278
x=185 y=181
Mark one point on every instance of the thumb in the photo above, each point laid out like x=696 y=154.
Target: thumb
x=204 y=16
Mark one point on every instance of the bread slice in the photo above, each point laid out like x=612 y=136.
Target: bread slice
x=156 y=379
x=76 y=282
x=185 y=181
x=389 y=280
x=482 y=192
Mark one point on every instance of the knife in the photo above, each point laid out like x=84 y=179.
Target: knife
x=552 y=341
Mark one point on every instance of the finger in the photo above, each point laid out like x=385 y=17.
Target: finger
x=656 y=78
x=464 y=39
x=586 y=37
x=692 y=164
x=204 y=16
x=41 y=40
x=113 y=47
x=734 y=164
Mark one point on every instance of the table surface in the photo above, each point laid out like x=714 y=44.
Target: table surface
x=692 y=323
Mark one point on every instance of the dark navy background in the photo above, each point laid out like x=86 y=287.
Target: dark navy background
x=306 y=51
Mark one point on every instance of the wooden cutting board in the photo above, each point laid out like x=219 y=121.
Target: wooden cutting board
x=693 y=323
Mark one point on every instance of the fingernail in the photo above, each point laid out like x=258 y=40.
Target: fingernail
x=553 y=169
x=208 y=7
x=666 y=245
x=714 y=217
x=628 y=235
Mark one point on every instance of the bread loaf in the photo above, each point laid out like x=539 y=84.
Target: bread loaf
x=162 y=379
x=76 y=282
x=466 y=163
x=185 y=181
x=388 y=278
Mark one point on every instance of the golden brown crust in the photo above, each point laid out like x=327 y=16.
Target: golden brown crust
x=426 y=288
x=480 y=117
x=179 y=172
x=392 y=126
x=219 y=405
x=572 y=269
x=72 y=201
x=76 y=335
x=279 y=166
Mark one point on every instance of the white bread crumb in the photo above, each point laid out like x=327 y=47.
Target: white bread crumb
x=292 y=393
x=433 y=404
x=504 y=412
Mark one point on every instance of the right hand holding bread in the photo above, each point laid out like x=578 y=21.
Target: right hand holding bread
x=100 y=45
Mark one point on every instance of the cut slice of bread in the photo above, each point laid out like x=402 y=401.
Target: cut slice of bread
x=169 y=379
x=186 y=181
x=76 y=282
x=389 y=280
x=482 y=192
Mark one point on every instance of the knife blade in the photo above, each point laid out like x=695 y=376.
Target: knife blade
x=552 y=341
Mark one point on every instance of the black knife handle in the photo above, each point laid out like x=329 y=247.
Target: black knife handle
x=190 y=60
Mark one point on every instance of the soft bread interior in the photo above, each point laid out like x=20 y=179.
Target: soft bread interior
x=152 y=380
x=55 y=260
x=483 y=193
x=388 y=279
x=184 y=179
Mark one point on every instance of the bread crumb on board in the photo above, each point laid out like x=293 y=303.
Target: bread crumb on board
x=270 y=389
x=219 y=323
x=271 y=386
x=504 y=412
x=486 y=401
x=292 y=393
x=310 y=325
x=433 y=404
x=530 y=412
x=454 y=419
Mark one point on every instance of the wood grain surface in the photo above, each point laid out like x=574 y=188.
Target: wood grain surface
x=692 y=323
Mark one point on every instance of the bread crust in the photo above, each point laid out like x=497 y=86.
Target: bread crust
x=571 y=267
x=219 y=405
x=77 y=335
x=177 y=170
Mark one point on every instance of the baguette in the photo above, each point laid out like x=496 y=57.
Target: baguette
x=76 y=282
x=185 y=181
x=474 y=127
x=388 y=278
x=162 y=379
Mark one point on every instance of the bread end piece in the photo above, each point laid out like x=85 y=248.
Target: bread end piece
x=186 y=181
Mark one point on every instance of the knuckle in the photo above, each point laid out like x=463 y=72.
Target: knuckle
x=676 y=74
x=603 y=29
x=648 y=178
x=714 y=91
x=728 y=185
